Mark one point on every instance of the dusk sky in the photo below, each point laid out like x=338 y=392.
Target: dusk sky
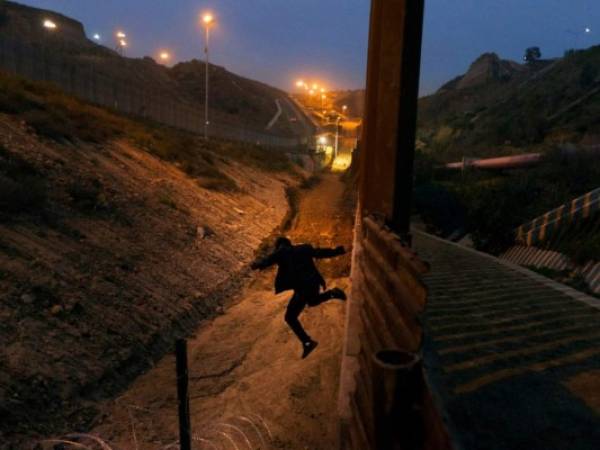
x=278 y=41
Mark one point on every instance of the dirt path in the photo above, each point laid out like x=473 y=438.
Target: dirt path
x=248 y=386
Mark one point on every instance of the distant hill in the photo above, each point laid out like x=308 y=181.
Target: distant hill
x=235 y=100
x=488 y=67
x=502 y=107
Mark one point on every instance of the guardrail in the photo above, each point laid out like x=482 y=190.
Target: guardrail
x=544 y=227
x=86 y=79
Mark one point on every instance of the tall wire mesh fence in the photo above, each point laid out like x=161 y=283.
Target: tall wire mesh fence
x=84 y=78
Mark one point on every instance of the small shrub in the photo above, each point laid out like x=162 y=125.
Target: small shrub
x=167 y=200
x=223 y=183
x=50 y=125
x=22 y=188
x=25 y=195
x=87 y=195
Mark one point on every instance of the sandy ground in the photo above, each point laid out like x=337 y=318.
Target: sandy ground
x=90 y=297
x=249 y=388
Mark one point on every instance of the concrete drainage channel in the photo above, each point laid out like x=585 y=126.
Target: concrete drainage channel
x=243 y=432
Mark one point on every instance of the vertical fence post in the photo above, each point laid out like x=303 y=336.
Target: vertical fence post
x=182 y=395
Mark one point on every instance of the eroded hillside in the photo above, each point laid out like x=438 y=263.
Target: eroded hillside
x=115 y=237
x=501 y=107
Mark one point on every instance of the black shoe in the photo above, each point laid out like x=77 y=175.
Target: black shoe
x=338 y=293
x=308 y=347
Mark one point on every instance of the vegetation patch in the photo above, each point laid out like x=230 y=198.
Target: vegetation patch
x=56 y=116
x=22 y=187
x=490 y=205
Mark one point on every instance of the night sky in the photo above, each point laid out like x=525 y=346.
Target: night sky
x=278 y=41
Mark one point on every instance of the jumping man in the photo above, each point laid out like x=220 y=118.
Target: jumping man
x=297 y=271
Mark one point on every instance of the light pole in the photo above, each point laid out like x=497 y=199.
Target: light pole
x=121 y=42
x=337 y=136
x=208 y=20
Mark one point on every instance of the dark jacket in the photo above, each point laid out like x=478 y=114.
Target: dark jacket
x=296 y=268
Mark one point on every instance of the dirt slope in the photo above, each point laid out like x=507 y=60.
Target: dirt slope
x=248 y=383
x=127 y=253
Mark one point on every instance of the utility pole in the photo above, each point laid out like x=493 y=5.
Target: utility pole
x=208 y=20
x=337 y=136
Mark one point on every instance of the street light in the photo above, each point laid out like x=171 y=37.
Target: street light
x=164 y=56
x=207 y=20
x=50 y=25
x=337 y=136
x=96 y=37
x=121 y=42
x=299 y=83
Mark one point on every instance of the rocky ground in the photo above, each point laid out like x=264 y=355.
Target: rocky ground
x=118 y=253
x=249 y=388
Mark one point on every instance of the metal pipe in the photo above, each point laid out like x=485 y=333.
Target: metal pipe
x=397 y=394
x=502 y=162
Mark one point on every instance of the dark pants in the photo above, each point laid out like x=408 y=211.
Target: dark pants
x=304 y=296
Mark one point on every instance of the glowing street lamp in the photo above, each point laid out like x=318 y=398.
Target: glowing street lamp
x=207 y=20
x=96 y=37
x=164 y=56
x=50 y=25
x=311 y=92
x=344 y=108
x=299 y=83
x=588 y=30
x=322 y=141
x=121 y=42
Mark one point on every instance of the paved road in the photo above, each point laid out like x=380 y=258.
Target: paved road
x=514 y=358
x=302 y=126
x=248 y=386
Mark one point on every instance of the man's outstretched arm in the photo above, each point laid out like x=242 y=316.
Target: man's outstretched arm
x=263 y=263
x=320 y=253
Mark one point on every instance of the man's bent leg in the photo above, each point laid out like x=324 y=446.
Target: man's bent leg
x=293 y=311
x=317 y=299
